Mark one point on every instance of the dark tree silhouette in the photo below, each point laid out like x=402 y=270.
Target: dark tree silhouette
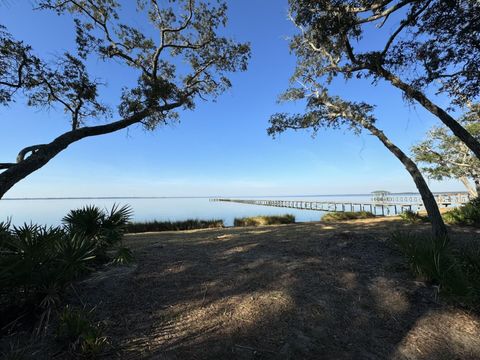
x=186 y=32
x=429 y=47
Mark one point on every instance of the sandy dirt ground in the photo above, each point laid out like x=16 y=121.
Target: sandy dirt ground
x=300 y=291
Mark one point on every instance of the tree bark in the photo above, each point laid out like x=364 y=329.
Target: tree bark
x=438 y=226
x=459 y=131
x=42 y=154
x=477 y=186
x=472 y=192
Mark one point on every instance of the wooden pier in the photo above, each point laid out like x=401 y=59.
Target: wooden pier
x=389 y=205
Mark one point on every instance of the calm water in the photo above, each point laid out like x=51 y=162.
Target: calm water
x=50 y=212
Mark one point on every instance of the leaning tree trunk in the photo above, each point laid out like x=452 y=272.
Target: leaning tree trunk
x=477 y=186
x=438 y=226
x=410 y=92
x=472 y=191
x=42 y=154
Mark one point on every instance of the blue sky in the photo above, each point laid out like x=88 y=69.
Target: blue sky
x=222 y=147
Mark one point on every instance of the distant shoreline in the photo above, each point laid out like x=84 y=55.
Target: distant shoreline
x=203 y=197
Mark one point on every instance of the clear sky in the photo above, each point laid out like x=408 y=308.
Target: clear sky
x=221 y=148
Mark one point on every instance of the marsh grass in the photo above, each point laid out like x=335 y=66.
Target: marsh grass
x=348 y=215
x=191 y=224
x=264 y=220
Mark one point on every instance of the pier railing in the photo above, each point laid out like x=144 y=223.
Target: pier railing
x=388 y=205
x=443 y=198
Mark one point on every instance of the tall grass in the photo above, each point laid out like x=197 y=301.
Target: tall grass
x=455 y=270
x=347 y=215
x=413 y=217
x=191 y=224
x=264 y=220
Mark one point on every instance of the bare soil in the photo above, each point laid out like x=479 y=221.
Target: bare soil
x=300 y=291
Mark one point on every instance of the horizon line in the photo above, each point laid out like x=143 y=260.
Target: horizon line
x=204 y=197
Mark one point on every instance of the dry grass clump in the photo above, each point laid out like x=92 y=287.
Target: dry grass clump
x=348 y=215
x=264 y=220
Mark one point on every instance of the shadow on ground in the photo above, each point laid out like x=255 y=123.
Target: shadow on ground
x=303 y=291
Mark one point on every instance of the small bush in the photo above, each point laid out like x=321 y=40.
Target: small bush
x=467 y=214
x=413 y=217
x=348 y=215
x=191 y=224
x=264 y=220
x=105 y=228
x=37 y=263
x=79 y=334
x=456 y=271
x=123 y=256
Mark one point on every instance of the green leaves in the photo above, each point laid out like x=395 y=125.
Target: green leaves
x=40 y=262
x=445 y=155
x=185 y=33
x=87 y=220
x=37 y=262
x=455 y=270
x=106 y=228
x=322 y=111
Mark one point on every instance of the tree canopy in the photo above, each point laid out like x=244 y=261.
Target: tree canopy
x=332 y=42
x=428 y=47
x=444 y=156
x=181 y=59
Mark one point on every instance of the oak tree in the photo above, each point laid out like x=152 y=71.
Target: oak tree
x=429 y=47
x=326 y=111
x=183 y=57
x=445 y=156
x=425 y=48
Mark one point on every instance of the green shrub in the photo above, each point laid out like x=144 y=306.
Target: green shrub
x=264 y=220
x=456 y=271
x=191 y=224
x=347 y=215
x=467 y=214
x=413 y=217
x=78 y=334
x=37 y=263
x=123 y=256
x=106 y=229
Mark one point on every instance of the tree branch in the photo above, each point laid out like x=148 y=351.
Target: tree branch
x=403 y=24
x=386 y=12
x=29 y=149
x=412 y=93
x=165 y=31
x=6 y=165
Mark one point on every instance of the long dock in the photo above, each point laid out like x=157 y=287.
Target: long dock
x=389 y=205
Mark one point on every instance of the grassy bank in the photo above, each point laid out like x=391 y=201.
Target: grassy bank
x=348 y=215
x=264 y=220
x=190 y=224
